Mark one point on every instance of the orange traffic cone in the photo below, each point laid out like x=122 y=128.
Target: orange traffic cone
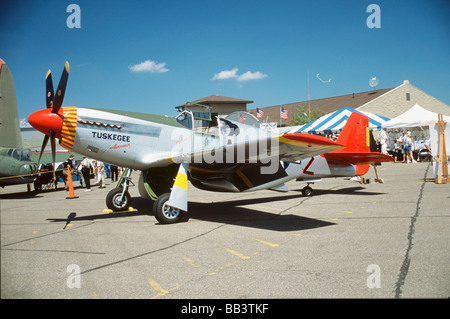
x=69 y=180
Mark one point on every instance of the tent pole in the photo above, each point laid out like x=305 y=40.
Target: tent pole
x=443 y=177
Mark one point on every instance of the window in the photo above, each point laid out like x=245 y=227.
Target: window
x=408 y=97
x=185 y=119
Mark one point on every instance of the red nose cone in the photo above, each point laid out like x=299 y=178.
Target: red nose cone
x=44 y=121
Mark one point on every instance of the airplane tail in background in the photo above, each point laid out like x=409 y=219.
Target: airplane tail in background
x=9 y=116
x=355 y=134
x=356 y=137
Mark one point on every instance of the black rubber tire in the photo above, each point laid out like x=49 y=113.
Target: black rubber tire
x=112 y=200
x=307 y=191
x=165 y=214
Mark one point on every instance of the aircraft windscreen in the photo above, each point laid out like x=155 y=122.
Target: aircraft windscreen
x=20 y=155
x=185 y=119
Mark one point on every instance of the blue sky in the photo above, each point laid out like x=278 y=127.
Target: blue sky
x=150 y=56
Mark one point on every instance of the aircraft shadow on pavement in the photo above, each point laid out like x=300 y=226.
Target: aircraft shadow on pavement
x=357 y=190
x=73 y=216
x=29 y=195
x=227 y=212
x=20 y=195
x=234 y=214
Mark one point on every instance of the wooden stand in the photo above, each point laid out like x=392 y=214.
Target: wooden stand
x=442 y=177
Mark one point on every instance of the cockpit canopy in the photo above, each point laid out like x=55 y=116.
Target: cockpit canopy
x=23 y=155
x=193 y=119
x=209 y=123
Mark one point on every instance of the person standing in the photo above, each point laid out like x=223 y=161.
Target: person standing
x=69 y=162
x=397 y=152
x=101 y=174
x=86 y=166
x=401 y=144
x=383 y=139
x=408 y=147
x=114 y=173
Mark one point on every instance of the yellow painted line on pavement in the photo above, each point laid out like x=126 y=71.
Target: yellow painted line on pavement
x=224 y=267
x=190 y=262
x=35 y=233
x=242 y=256
x=267 y=243
x=161 y=291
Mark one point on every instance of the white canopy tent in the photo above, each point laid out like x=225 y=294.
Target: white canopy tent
x=415 y=116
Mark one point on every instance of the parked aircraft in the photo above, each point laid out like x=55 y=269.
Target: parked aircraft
x=16 y=164
x=214 y=154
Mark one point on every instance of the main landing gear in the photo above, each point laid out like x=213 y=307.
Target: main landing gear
x=119 y=199
x=166 y=214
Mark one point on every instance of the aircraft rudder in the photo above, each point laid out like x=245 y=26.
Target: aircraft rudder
x=355 y=134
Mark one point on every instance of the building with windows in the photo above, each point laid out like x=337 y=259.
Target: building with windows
x=217 y=104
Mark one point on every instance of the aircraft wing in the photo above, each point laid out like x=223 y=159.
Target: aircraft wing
x=297 y=146
x=247 y=144
x=359 y=157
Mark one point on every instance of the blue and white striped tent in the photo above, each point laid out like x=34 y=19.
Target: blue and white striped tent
x=335 y=121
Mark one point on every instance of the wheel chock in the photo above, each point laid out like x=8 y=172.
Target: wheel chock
x=110 y=211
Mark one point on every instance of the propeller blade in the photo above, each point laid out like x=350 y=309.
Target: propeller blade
x=52 y=141
x=49 y=89
x=44 y=144
x=61 y=90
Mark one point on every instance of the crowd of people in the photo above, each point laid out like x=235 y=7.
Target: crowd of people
x=99 y=170
x=405 y=150
x=89 y=169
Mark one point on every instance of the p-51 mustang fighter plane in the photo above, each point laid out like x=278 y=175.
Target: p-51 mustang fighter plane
x=223 y=155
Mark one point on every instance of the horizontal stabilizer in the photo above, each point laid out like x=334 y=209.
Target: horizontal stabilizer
x=296 y=146
x=359 y=158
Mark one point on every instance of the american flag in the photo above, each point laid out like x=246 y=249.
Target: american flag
x=259 y=113
x=283 y=113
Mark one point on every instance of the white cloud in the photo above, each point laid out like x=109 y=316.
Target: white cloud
x=251 y=76
x=149 y=66
x=226 y=74
x=232 y=74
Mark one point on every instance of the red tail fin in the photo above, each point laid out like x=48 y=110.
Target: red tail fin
x=355 y=134
x=356 y=137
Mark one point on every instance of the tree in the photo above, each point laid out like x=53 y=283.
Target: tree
x=302 y=117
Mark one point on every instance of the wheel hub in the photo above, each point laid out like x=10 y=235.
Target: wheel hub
x=170 y=212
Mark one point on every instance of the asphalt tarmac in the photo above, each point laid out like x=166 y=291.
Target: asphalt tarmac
x=349 y=240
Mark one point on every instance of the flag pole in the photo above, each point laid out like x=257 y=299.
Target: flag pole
x=280 y=114
x=309 y=104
